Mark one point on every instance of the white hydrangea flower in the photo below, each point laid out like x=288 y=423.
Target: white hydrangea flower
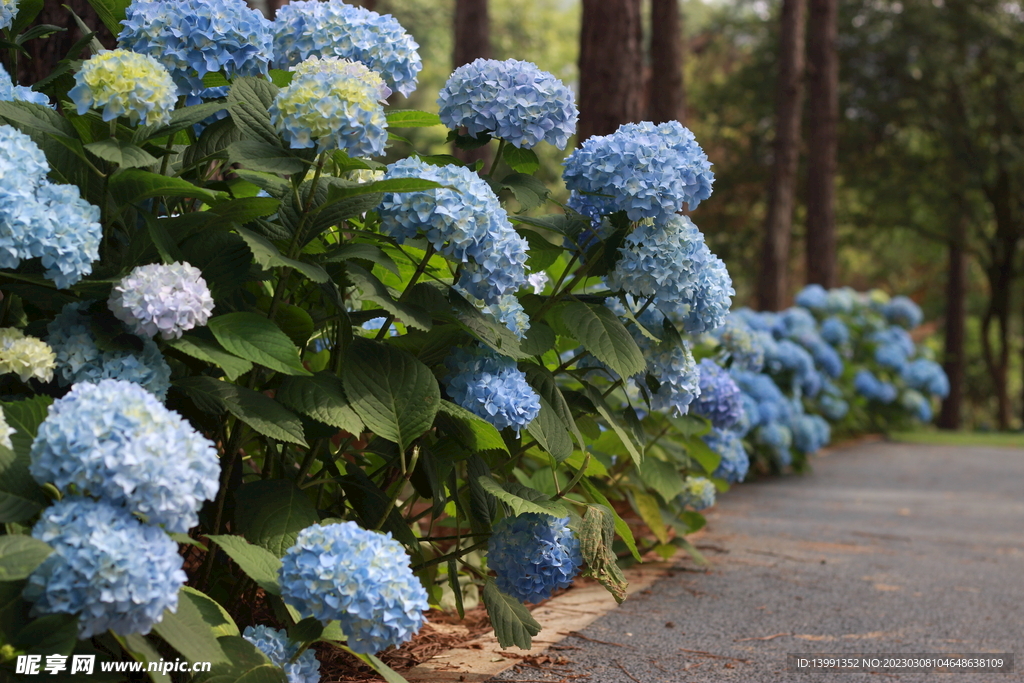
x=168 y=299
x=27 y=356
x=5 y=432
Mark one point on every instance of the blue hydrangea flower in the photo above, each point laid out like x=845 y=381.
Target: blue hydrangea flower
x=646 y=170
x=872 y=388
x=793 y=364
x=309 y=28
x=916 y=403
x=164 y=299
x=79 y=359
x=834 y=331
x=9 y=92
x=795 y=322
x=510 y=313
x=332 y=104
x=511 y=100
x=23 y=165
x=893 y=347
x=778 y=439
x=360 y=578
x=743 y=347
x=192 y=38
x=491 y=386
x=533 y=555
x=710 y=303
x=671 y=365
x=750 y=417
x=466 y=224
x=903 y=312
x=280 y=650
x=831 y=402
x=125 y=83
x=813 y=297
x=826 y=358
x=112 y=570
x=735 y=462
x=698 y=493
x=810 y=433
x=927 y=376
x=719 y=399
x=8 y=13
x=842 y=300
x=772 y=404
x=115 y=441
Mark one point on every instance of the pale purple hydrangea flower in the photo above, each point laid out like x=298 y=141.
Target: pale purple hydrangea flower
x=162 y=299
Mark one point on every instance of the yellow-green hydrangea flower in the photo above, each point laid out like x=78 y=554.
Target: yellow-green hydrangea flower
x=124 y=83
x=27 y=356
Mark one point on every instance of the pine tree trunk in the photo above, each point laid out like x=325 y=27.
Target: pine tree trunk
x=46 y=52
x=611 y=66
x=472 y=41
x=666 y=93
x=789 y=92
x=956 y=316
x=822 y=141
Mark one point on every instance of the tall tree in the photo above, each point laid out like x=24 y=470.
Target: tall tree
x=666 y=93
x=472 y=41
x=611 y=66
x=822 y=141
x=955 y=362
x=789 y=95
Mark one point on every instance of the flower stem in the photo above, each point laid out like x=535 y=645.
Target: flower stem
x=497 y=158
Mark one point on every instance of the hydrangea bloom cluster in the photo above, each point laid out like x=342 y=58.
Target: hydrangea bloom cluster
x=511 y=100
x=904 y=312
x=115 y=441
x=466 y=224
x=813 y=297
x=162 y=299
x=360 y=578
x=192 y=38
x=743 y=347
x=28 y=357
x=698 y=493
x=927 y=376
x=280 y=650
x=125 y=83
x=893 y=347
x=872 y=388
x=662 y=261
x=8 y=13
x=917 y=404
x=9 y=92
x=795 y=366
x=510 y=313
x=831 y=402
x=826 y=358
x=533 y=555
x=646 y=170
x=41 y=220
x=491 y=386
x=332 y=104
x=810 y=433
x=79 y=359
x=310 y=28
x=735 y=463
x=671 y=365
x=779 y=439
x=719 y=399
x=834 y=331
x=108 y=567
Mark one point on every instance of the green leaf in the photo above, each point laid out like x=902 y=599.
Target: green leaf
x=625 y=435
x=596 y=534
x=295 y=322
x=385 y=671
x=321 y=397
x=550 y=432
x=528 y=191
x=268 y=256
x=133 y=185
x=513 y=624
x=543 y=382
x=306 y=631
x=255 y=338
x=213 y=614
x=276 y=187
x=28 y=10
x=250 y=99
x=259 y=564
x=141 y=650
x=647 y=507
x=247 y=665
x=53 y=634
x=165 y=245
x=246 y=209
x=394 y=393
x=522 y=498
x=470 y=430
x=521 y=160
x=599 y=330
x=20 y=555
x=187 y=632
x=621 y=528
x=210 y=351
x=337 y=192
x=261 y=156
x=373 y=289
x=371 y=503
x=662 y=477
x=270 y=513
x=181 y=119
x=281 y=77
x=483 y=506
x=702 y=453
x=124 y=154
x=539 y=339
x=20 y=496
x=264 y=414
x=484 y=327
x=110 y=12
x=361 y=252
x=410 y=118
x=542 y=253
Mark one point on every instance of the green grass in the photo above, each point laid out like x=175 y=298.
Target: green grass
x=943 y=438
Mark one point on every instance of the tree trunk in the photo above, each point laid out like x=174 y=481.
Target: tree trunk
x=611 y=66
x=789 y=93
x=472 y=41
x=823 y=139
x=46 y=52
x=956 y=316
x=666 y=94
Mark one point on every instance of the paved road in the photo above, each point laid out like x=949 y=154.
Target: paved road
x=884 y=548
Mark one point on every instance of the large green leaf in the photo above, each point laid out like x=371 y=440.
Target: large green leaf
x=513 y=624
x=20 y=495
x=528 y=191
x=259 y=564
x=410 y=118
x=213 y=614
x=210 y=351
x=370 y=503
x=247 y=664
x=372 y=289
x=262 y=413
x=596 y=533
x=271 y=512
x=472 y=431
x=522 y=498
x=647 y=507
x=268 y=256
x=133 y=185
x=626 y=435
x=361 y=252
x=111 y=13
x=261 y=156
x=255 y=338
x=601 y=333
x=20 y=555
x=321 y=397
x=550 y=432
x=142 y=650
x=543 y=382
x=181 y=119
x=394 y=393
x=52 y=634
x=124 y=154
x=702 y=453
x=521 y=160
x=250 y=99
x=484 y=327
x=662 y=477
x=187 y=632
x=621 y=528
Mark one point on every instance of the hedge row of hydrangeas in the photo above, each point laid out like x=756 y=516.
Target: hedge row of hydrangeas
x=261 y=388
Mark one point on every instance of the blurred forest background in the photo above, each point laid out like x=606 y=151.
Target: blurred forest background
x=870 y=143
